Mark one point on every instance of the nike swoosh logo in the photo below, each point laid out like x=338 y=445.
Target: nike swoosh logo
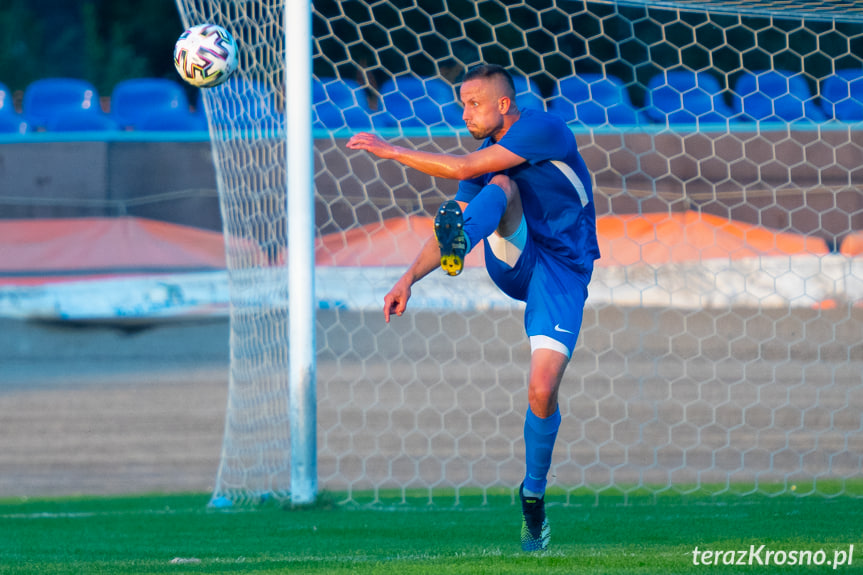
x=561 y=330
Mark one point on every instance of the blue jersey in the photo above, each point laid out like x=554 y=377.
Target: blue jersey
x=555 y=186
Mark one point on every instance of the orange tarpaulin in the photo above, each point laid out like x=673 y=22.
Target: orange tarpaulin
x=31 y=251
x=623 y=240
x=686 y=236
x=394 y=242
x=852 y=245
x=100 y=246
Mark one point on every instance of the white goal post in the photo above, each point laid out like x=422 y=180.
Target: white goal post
x=721 y=348
x=301 y=265
x=245 y=111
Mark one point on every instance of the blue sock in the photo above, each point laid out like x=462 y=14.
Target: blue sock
x=483 y=213
x=539 y=437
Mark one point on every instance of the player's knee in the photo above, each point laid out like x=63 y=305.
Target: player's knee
x=542 y=400
x=546 y=373
x=507 y=184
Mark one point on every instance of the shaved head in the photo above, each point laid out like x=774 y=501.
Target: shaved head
x=496 y=73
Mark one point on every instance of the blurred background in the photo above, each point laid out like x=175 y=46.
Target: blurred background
x=722 y=341
x=101 y=40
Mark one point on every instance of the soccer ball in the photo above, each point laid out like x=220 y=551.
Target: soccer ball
x=205 y=55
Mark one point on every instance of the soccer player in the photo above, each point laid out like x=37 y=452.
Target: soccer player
x=527 y=192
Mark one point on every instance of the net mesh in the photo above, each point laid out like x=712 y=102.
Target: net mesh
x=794 y=9
x=721 y=343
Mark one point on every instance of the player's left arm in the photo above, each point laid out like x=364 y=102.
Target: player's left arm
x=488 y=160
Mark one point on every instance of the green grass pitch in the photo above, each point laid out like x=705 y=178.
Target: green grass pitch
x=145 y=534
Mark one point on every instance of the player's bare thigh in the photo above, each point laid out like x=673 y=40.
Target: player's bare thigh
x=511 y=219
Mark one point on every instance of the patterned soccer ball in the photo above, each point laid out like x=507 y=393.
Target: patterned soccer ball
x=205 y=55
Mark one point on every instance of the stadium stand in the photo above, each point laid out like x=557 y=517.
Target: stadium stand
x=774 y=96
x=48 y=98
x=12 y=124
x=527 y=93
x=421 y=102
x=842 y=95
x=173 y=121
x=238 y=104
x=686 y=97
x=594 y=100
x=73 y=120
x=6 y=106
x=200 y=111
x=10 y=121
x=341 y=103
x=138 y=101
x=676 y=97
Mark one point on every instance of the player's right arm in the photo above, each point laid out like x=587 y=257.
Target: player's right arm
x=426 y=261
x=486 y=160
x=397 y=298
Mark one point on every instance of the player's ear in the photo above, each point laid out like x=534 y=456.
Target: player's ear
x=504 y=105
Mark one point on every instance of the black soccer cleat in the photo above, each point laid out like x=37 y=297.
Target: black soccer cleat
x=449 y=231
x=535 y=530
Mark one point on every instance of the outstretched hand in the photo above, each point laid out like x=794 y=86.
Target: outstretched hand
x=371 y=143
x=396 y=300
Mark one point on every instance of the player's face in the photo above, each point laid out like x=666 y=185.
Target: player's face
x=483 y=110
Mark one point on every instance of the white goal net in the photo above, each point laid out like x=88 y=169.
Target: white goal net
x=722 y=347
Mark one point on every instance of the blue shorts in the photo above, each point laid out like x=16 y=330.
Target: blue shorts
x=553 y=292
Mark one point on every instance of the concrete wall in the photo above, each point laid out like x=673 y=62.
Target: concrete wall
x=170 y=181
x=797 y=180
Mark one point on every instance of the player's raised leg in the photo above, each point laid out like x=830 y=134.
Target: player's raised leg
x=458 y=229
x=451 y=238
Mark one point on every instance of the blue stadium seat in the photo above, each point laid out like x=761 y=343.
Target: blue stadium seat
x=842 y=95
x=594 y=100
x=421 y=102
x=200 y=111
x=686 y=97
x=135 y=101
x=173 y=121
x=321 y=111
x=10 y=121
x=49 y=98
x=6 y=105
x=338 y=104
x=774 y=96
x=81 y=121
x=241 y=105
x=527 y=93
x=12 y=124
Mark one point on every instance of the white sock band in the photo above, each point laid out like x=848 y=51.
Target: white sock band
x=509 y=249
x=545 y=342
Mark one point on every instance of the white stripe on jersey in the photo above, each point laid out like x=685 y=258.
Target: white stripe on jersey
x=574 y=180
